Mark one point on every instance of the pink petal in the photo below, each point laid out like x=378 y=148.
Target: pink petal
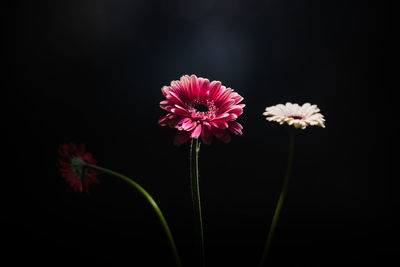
x=221 y=116
x=175 y=85
x=173 y=122
x=217 y=132
x=235 y=127
x=231 y=117
x=226 y=138
x=226 y=106
x=169 y=120
x=238 y=98
x=166 y=105
x=219 y=124
x=206 y=134
x=223 y=96
x=215 y=88
x=175 y=98
x=163 y=120
x=63 y=164
x=165 y=90
x=184 y=120
x=236 y=110
x=218 y=93
x=181 y=137
x=189 y=125
x=203 y=87
x=222 y=135
x=206 y=139
x=194 y=86
x=179 y=111
x=196 y=132
x=185 y=83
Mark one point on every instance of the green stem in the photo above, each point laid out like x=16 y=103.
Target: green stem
x=282 y=196
x=194 y=178
x=152 y=203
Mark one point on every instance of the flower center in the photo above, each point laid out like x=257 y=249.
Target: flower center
x=296 y=117
x=201 y=108
x=77 y=168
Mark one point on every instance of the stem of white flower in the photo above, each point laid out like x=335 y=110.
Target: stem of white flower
x=282 y=196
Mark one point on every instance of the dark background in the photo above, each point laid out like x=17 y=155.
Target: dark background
x=91 y=72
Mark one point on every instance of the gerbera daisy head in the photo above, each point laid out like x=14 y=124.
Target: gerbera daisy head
x=200 y=108
x=293 y=114
x=72 y=161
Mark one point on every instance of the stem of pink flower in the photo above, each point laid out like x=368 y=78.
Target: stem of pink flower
x=194 y=179
x=152 y=203
x=282 y=196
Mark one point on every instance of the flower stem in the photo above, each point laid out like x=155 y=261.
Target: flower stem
x=152 y=203
x=282 y=196
x=194 y=178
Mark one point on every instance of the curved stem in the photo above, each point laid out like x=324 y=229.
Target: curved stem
x=194 y=178
x=282 y=196
x=152 y=203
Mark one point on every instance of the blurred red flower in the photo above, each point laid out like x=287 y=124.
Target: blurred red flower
x=72 y=161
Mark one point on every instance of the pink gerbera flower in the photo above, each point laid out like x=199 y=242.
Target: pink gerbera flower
x=72 y=166
x=198 y=107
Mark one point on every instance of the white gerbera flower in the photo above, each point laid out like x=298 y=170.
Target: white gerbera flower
x=293 y=114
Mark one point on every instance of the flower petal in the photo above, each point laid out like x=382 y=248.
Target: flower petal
x=189 y=125
x=219 y=124
x=206 y=134
x=181 y=137
x=235 y=127
x=226 y=137
x=196 y=132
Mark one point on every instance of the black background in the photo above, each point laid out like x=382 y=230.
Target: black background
x=91 y=72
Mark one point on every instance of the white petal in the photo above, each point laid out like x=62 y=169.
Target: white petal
x=304 y=108
x=295 y=108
